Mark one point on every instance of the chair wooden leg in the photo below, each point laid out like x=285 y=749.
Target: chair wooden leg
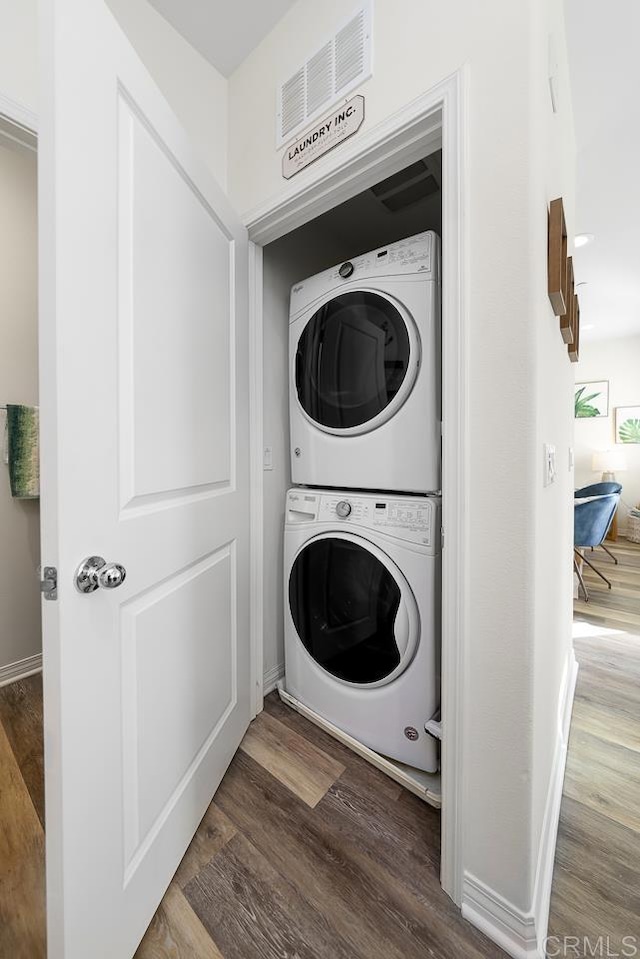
x=596 y=570
x=580 y=581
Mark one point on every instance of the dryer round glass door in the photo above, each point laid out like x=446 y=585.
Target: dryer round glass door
x=356 y=362
x=353 y=610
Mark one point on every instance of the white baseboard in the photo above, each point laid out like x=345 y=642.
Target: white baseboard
x=521 y=933
x=508 y=926
x=272 y=677
x=12 y=672
x=550 y=822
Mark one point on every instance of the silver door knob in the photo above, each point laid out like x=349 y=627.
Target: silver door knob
x=94 y=572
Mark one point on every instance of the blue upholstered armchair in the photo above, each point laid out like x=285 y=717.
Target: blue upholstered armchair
x=598 y=489
x=592 y=519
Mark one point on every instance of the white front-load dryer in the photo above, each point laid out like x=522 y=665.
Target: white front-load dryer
x=362 y=616
x=364 y=355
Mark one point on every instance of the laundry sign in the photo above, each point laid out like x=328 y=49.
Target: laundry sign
x=324 y=136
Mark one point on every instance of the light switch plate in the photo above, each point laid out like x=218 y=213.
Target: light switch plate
x=549 y=464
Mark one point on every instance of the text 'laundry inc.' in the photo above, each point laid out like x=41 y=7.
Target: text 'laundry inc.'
x=328 y=133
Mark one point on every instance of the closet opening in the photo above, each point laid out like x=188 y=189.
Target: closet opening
x=22 y=891
x=360 y=589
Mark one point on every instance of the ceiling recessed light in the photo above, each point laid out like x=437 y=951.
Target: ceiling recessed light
x=588 y=326
x=581 y=239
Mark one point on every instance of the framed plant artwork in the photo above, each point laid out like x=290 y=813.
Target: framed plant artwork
x=592 y=399
x=628 y=424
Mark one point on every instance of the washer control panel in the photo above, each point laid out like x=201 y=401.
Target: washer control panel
x=412 y=518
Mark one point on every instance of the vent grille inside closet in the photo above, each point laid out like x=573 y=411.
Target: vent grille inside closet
x=411 y=185
x=341 y=64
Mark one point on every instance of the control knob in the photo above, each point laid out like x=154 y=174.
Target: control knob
x=343 y=508
x=346 y=270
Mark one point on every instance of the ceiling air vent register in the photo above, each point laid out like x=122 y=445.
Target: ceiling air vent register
x=411 y=185
x=340 y=65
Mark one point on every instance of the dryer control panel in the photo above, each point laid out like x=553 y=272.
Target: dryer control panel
x=412 y=518
x=419 y=254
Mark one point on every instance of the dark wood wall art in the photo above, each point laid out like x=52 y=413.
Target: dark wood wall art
x=561 y=280
x=566 y=317
x=574 y=346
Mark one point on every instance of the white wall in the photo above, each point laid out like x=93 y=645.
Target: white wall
x=553 y=175
x=616 y=360
x=195 y=89
x=20 y=630
x=18 y=52
x=513 y=340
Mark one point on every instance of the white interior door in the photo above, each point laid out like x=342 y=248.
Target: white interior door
x=145 y=438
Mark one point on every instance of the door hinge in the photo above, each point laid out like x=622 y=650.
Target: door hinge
x=49 y=582
x=442 y=537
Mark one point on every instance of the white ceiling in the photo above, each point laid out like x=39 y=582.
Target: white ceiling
x=223 y=31
x=605 y=80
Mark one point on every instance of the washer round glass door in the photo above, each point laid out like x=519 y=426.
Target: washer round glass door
x=353 y=610
x=356 y=362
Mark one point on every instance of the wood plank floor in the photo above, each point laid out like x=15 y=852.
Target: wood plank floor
x=596 y=881
x=22 y=898
x=309 y=852
x=618 y=607
x=596 y=884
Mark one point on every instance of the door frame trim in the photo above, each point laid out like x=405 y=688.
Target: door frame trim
x=386 y=148
x=21 y=116
x=256 y=478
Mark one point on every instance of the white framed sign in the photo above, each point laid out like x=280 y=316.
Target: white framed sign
x=323 y=136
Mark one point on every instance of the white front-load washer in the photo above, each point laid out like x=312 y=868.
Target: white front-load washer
x=362 y=616
x=364 y=355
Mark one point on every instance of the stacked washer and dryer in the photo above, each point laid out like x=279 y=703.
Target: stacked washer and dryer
x=362 y=524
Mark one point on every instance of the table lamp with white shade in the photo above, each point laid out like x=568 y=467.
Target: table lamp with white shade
x=608 y=462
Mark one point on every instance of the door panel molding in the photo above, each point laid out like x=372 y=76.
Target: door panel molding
x=174 y=441
x=154 y=601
